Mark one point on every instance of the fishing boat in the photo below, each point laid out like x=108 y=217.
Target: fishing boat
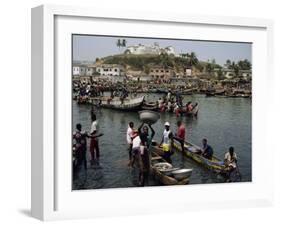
x=215 y=164
x=166 y=176
x=191 y=150
x=127 y=104
x=162 y=90
x=210 y=94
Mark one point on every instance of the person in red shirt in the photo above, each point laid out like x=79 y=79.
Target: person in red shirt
x=180 y=135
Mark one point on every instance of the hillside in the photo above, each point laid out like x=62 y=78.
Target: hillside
x=145 y=62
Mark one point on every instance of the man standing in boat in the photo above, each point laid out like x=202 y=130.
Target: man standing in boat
x=167 y=141
x=180 y=135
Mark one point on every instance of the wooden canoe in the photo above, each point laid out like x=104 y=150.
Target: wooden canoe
x=128 y=104
x=164 y=179
x=190 y=150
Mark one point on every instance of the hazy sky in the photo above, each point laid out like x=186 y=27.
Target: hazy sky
x=88 y=48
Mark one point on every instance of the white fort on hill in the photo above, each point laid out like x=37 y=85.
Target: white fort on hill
x=150 y=49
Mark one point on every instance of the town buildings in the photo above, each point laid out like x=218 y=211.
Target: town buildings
x=158 y=72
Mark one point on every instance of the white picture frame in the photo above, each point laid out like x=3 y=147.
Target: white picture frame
x=51 y=197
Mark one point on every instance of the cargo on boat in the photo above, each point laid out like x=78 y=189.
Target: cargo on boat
x=167 y=175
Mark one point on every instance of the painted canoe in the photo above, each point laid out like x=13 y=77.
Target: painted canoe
x=215 y=164
x=190 y=150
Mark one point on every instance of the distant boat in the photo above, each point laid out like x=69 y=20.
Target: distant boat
x=210 y=94
x=127 y=104
x=161 y=90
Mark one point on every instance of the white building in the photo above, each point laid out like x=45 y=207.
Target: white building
x=112 y=72
x=246 y=74
x=230 y=73
x=78 y=70
x=75 y=70
x=81 y=70
x=188 y=72
x=154 y=49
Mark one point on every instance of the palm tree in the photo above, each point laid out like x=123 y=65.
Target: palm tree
x=119 y=43
x=124 y=42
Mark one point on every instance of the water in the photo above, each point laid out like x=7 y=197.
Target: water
x=223 y=121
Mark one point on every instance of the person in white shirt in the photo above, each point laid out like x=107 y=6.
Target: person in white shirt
x=94 y=144
x=167 y=141
x=130 y=136
x=230 y=159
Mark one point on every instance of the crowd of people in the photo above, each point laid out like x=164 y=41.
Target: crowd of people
x=174 y=103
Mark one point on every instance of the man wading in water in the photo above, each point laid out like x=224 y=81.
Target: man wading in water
x=80 y=143
x=143 y=155
x=94 y=145
x=131 y=134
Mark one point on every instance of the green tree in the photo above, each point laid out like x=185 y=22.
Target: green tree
x=220 y=74
x=209 y=68
x=164 y=60
x=193 y=60
x=235 y=68
x=146 y=69
x=244 y=64
x=228 y=64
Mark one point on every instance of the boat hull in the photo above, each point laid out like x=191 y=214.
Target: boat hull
x=125 y=105
x=163 y=178
x=215 y=164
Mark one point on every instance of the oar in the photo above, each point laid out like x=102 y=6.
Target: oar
x=238 y=172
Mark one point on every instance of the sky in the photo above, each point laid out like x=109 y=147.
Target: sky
x=89 y=47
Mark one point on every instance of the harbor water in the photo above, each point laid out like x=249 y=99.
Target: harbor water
x=223 y=121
